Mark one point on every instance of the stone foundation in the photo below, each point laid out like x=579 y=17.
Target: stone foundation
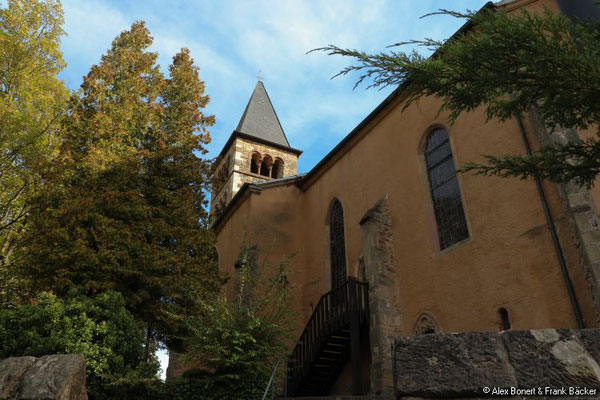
x=473 y=364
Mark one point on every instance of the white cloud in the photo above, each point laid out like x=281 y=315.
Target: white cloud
x=232 y=39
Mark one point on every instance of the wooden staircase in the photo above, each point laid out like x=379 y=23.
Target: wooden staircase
x=331 y=338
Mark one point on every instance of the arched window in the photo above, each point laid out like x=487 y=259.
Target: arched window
x=265 y=167
x=255 y=163
x=337 y=244
x=277 y=170
x=503 y=321
x=445 y=193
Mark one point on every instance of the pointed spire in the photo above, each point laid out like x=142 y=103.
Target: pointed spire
x=260 y=120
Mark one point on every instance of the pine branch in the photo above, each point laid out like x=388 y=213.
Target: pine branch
x=572 y=162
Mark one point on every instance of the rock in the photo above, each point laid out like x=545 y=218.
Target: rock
x=550 y=358
x=440 y=365
x=461 y=365
x=11 y=371
x=53 y=377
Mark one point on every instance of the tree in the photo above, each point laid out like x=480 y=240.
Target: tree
x=510 y=64
x=124 y=205
x=32 y=99
x=99 y=328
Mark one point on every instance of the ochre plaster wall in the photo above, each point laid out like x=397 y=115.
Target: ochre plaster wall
x=508 y=260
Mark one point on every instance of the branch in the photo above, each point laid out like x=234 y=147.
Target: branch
x=573 y=162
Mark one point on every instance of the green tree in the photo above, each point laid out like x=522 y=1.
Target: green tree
x=509 y=63
x=237 y=342
x=124 y=206
x=99 y=328
x=32 y=99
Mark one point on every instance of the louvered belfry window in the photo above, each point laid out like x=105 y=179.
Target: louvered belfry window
x=445 y=193
x=338 y=246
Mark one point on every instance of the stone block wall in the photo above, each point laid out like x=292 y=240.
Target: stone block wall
x=234 y=170
x=245 y=148
x=533 y=363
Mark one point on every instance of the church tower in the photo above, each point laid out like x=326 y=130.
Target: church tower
x=256 y=151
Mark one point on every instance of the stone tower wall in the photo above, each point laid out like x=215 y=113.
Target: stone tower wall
x=237 y=160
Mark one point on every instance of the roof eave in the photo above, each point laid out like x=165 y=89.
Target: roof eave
x=241 y=135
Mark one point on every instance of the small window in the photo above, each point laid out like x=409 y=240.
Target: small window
x=264 y=170
x=265 y=167
x=445 y=193
x=503 y=320
x=277 y=170
x=255 y=162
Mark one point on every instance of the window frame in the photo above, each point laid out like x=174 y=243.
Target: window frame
x=442 y=244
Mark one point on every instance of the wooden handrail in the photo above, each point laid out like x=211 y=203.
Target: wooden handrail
x=333 y=312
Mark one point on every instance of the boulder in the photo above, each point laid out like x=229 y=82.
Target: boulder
x=451 y=365
x=52 y=377
x=11 y=372
x=544 y=362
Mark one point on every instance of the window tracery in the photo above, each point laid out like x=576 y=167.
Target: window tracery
x=426 y=324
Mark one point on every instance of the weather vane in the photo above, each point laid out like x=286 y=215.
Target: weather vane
x=260 y=75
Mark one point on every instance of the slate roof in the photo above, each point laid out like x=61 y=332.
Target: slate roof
x=260 y=120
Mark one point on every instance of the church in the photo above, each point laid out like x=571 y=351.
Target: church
x=389 y=240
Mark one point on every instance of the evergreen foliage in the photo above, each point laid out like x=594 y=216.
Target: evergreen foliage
x=99 y=328
x=123 y=208
x=103 y=223
x=508 y=63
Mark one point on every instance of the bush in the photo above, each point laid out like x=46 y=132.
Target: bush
x=237 y=343
x=99 y=328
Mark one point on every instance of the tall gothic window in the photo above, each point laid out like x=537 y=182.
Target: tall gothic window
x=445 y=193
x=337 y=244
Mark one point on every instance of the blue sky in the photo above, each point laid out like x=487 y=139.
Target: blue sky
x=231 y=40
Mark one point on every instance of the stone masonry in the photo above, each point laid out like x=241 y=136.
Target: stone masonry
x=380 y=272
x=540 y=363
x=236 y=163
